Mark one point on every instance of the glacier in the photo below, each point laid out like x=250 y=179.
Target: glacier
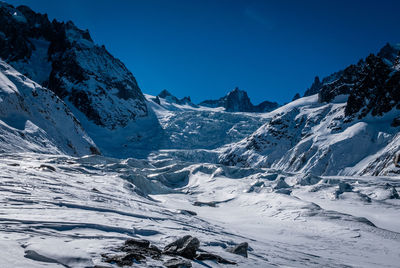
x=90 y=164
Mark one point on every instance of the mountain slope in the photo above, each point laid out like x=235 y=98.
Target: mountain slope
x=307 y=136
x=65 y=59
x=349 y=127
x=33 y=118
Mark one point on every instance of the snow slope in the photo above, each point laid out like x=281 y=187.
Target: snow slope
x=33 y=118
x=76 y=209
x=308 y=136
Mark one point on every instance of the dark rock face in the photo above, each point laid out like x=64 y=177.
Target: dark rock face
x=240 y=249
x=134 y=250
x=371 y=85
x=296 y=97
x=187 y=212
x=157 y=100
x=238 y=101
x=202 y=204
x=315 y=87
x=137 y=250
x=64 y=58
x=205 y=256
x=125 y=260
x=389 y=53
x=137 y=243
x=342 y=85
x=185 y=247
x=164 y=94
x=177 y=263
x=317 y=84
x=377 y=90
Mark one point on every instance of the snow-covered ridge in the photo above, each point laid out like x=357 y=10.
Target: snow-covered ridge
x=308 y=136
x=33 y=118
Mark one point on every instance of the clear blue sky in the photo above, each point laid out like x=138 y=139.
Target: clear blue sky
x=204 y=48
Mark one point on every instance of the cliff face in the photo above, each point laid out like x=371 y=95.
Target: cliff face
x=370 y=86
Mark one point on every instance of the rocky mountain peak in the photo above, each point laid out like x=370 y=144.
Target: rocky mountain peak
x=164 y=93
x=376 y=89
x=389 y=52
x=65 y=59
x=296 y=97
x=238 y=101
x=369 y=86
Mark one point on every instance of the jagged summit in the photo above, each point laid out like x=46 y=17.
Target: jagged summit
x=238 y=101
x=389 y=53
x=370 y=86
x=65 y=59
x=164 y=93
x=315 y=87
x=296 y=97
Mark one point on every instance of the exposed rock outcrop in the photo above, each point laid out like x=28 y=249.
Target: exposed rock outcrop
x=240 y=249
x=185 y=247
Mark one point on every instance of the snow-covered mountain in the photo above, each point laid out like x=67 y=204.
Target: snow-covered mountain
x=238 y=101
x=221 y=184
x=349 y=127
x=65 y=59
x=34 y=119
x=104 y=95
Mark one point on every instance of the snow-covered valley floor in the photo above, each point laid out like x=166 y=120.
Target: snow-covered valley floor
x=60 y=211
